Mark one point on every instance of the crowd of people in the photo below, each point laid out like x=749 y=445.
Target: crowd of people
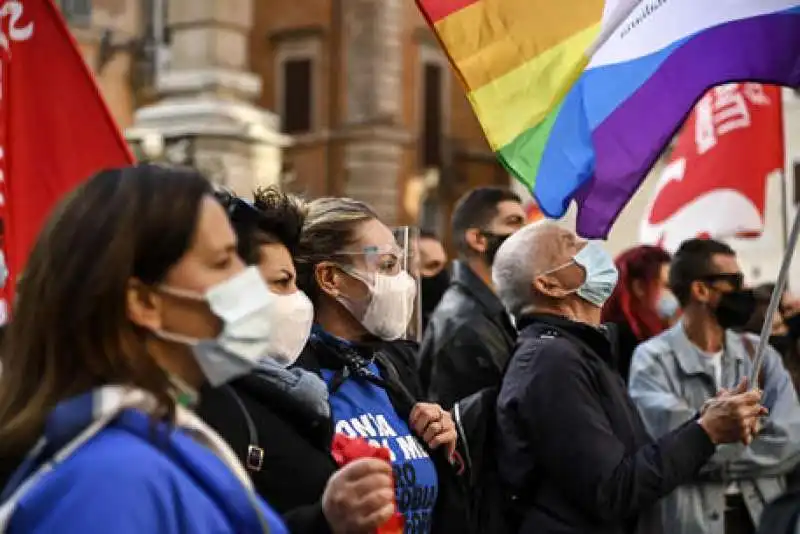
x=180 y=359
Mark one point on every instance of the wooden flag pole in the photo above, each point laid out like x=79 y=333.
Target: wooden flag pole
x=775 y=300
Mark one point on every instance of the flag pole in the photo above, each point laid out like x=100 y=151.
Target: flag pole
x=789 y=245
x=784 y=181
x=775 y=300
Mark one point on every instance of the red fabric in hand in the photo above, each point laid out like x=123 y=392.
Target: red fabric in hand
x=345 y=449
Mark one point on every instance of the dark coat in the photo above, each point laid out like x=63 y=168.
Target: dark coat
x=572 y=446
x=468 y=340
x=297 y=461
x=626 y=343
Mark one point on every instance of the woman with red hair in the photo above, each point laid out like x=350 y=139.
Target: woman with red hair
x=642 y=305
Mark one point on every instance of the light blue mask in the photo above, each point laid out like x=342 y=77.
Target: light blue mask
x=601 y=274
x=667 y=306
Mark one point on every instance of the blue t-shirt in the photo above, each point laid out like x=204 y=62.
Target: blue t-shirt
x=362 y=409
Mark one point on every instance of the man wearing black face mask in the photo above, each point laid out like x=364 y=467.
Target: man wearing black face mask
x=433 y=273
x=705 y=354
x=469 y=336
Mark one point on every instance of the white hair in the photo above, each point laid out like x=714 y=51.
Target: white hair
x=526 y=254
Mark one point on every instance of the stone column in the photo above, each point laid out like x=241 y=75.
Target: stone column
x=205 y=112
x=375 y=138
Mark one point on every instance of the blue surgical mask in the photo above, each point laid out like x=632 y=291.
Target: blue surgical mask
x=667 y=306
x=601 y=273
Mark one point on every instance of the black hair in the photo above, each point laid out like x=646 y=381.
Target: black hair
x=476 y=209
x=427 y=234
x=693 y=261
x=273 y=218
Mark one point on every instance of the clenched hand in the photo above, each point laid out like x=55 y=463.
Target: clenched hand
x=359 y=497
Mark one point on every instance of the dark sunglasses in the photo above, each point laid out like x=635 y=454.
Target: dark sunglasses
x=734 y=279
x=239 y=211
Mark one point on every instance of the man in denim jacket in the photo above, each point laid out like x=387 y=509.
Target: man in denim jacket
x=674 y=374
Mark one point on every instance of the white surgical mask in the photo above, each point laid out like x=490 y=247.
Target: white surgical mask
x=257 y=324
x=601 y=273
x=390 y=306
x=289 y=327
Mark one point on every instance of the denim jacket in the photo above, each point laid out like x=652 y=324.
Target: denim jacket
x=670 y=380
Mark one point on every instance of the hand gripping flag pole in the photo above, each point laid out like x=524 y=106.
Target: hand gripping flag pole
x=775 y=300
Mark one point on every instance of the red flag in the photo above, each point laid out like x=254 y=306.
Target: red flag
x=55 y=128
x=715 y=182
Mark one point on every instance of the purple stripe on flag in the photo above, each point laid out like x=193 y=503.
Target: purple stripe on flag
x=763 y=49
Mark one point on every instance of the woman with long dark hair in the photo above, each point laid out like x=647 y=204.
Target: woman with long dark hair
x=642 y=306
x=133 y=299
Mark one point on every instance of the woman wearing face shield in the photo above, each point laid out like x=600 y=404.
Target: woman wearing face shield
x=134 y=297
x=277 y=418
x=351 y=267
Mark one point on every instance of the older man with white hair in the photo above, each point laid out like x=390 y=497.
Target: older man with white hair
x=572 y=448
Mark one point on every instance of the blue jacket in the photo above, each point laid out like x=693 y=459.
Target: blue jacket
x=127 y=476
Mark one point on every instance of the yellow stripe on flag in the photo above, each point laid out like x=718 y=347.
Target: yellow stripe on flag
x=521 y=99
x=491 y=38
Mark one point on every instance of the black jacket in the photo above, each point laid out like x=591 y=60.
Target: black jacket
x=297 y=461
x=626 y=343
x=467 y=342
x=572 y=446
x=296 y=444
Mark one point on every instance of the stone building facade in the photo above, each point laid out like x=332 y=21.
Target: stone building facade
x=95 y=25
x=361 y=88
x=372 y=107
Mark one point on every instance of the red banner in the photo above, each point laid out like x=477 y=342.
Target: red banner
x=55 y=129
x=714 y=184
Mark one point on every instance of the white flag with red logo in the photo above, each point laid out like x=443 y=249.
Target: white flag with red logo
x=714 y=184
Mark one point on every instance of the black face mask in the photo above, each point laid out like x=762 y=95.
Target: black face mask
x=782 y=344
x=493 y=242
x=735 y=308
x=432 y=288
x=793 y=324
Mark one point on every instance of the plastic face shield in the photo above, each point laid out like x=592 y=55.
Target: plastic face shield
x=407 y=238
x=367 y=262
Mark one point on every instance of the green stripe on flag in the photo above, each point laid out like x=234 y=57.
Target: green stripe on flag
x=523 y=155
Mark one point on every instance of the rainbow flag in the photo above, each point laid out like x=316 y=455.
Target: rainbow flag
x=579 y=97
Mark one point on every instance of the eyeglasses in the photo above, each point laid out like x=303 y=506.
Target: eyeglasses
x=386 y=259
x=734 y=279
